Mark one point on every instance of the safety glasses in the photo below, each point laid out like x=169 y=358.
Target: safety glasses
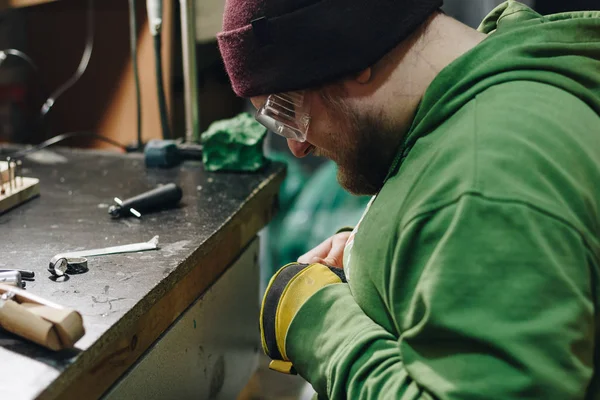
x=287 y=114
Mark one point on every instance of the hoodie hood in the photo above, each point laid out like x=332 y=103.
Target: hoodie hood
x=562 y=50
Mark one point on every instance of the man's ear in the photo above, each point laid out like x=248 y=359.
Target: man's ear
x=364 y=76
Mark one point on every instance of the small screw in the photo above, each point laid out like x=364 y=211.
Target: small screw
x=131 y=210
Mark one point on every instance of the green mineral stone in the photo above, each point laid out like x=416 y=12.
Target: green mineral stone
x=234 y=144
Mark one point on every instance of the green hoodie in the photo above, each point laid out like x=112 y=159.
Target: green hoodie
x=475 y=272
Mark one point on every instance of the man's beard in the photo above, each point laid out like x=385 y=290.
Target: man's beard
x=365 y=148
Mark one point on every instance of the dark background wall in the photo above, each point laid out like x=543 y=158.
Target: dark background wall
x=554 y=6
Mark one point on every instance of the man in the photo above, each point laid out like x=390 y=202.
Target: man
x=474 y=273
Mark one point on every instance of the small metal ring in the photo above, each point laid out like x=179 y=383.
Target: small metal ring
x=77 y=265
x=69 y=266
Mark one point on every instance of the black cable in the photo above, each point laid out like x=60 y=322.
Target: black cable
x=59 y=138
x=133 y=29
x=83 y=64
x=162 y=103
x=21 y=55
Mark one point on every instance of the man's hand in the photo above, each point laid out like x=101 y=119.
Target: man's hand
x=330 y=252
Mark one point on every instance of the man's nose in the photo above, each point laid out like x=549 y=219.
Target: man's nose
x=299 y=149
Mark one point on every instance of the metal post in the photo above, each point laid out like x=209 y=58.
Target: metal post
x=190 y=70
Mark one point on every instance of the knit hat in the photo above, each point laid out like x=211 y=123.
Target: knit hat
x=274 y=46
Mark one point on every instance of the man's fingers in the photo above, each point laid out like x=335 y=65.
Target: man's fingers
x=330 y=252
x=320 y=252
x=335 y=258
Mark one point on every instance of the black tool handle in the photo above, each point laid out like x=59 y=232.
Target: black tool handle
x=165 y=196
x=25 y=273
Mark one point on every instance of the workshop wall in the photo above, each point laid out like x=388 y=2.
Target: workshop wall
x=103 y=100
x=14 y=75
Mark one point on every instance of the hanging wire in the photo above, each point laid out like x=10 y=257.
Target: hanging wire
x=21 y=55
x=59 y=138
x=83 y=64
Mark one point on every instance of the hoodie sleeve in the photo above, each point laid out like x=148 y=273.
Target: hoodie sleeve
x=502 y=309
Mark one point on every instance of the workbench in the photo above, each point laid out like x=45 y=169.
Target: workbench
x=178 y=322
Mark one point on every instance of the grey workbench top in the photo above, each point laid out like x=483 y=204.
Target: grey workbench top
x=71 y=214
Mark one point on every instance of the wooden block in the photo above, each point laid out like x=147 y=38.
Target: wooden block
x=22 y=189
x=16 y=319
x=39 y=320
x=67 y=323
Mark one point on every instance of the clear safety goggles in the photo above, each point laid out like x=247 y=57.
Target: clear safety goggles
x=287 y=114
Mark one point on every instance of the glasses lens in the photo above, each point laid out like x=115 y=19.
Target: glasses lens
x=286 y=114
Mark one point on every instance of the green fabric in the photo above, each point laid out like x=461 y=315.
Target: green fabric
x=234 y=144
x=474 y=274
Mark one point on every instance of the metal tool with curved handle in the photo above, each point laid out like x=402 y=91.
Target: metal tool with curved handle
x=67 y=263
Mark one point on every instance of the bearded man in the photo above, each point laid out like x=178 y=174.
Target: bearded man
x=474 y=273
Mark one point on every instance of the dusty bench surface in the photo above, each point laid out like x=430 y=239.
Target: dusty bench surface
x=128 y=300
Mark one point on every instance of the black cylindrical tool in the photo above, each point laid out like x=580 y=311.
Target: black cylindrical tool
x=25 y=273
x=162 y=197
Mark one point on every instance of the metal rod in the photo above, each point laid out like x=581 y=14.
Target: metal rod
x=10 y=181
x=190 y=70
x=13 y=167
x=129 y=248
x=19 y=169
x=2 y=190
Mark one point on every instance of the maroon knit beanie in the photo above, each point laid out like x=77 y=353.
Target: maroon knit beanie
x=273 y=46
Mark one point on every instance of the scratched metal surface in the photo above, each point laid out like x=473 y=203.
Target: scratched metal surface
x=71 y=214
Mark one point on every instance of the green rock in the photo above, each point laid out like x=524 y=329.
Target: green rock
x=234 y=144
